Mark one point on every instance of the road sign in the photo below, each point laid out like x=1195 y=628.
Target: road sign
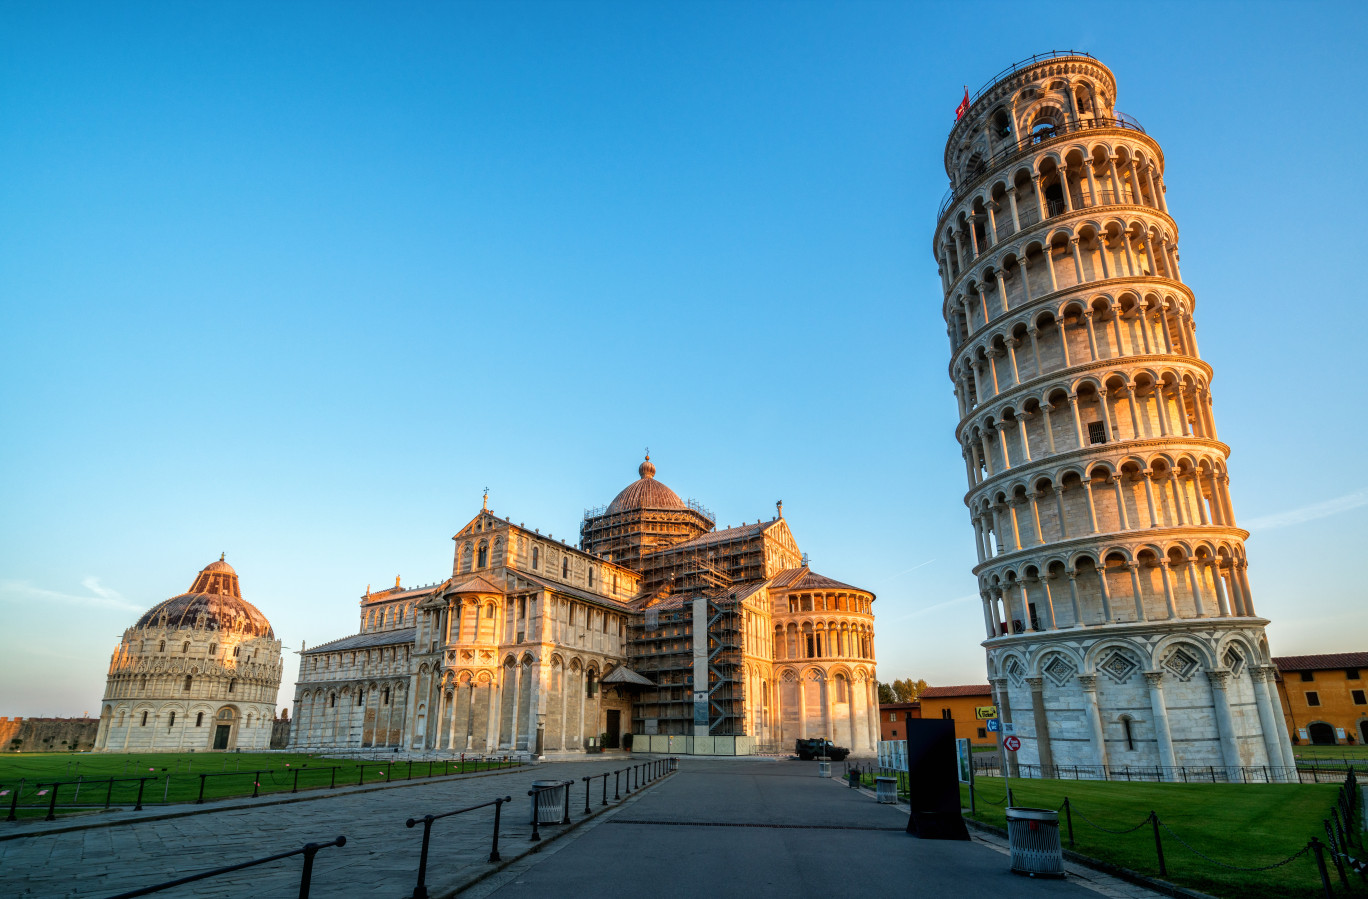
x=985 y=711
x=993 y=724
x=1011 y=744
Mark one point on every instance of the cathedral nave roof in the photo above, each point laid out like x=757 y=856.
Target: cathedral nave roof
x=366 y=641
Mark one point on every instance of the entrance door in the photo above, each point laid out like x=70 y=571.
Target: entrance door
x=1321 y=734
x=221 y=736
x=1363 y=733
x=614 y=726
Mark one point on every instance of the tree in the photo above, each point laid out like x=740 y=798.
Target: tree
x=908 y=690
x=886 y=694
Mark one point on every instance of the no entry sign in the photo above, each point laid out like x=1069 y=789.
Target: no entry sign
x=1011 y=744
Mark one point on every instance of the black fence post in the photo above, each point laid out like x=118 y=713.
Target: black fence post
x=333 y=782
x=568 y=785
x=628 y=772
x=52 y=804
x=361 y=778
x=1068 y=818
x=536 y=818
x=586 y=794
x=256 y=784
x=1318 y=850
x=109 y=793
x=200 y=800
x=498 y=806
x=295 y=788
x=617 y=785
x=1158 y=845
x=306 y=876
x=420 y=890
x=605 y=788
x=142 y=781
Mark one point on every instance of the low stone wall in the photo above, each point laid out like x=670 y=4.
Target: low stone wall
x=47 y=734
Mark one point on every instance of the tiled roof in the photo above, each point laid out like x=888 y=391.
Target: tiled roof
x=723 y=535
x=365 y=641
x=573 y=591
x=624 y=675
x=898 y=706
x=805 y=579
x=962 y=690
x=476 y=584
x=1322 y=662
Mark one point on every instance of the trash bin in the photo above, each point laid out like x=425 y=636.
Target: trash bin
x=854 y=778
x=1033 y=834
x=549 y=800
x=823 y=768
x=886 y=789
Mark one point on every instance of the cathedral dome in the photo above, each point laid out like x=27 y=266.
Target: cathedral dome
x=646 y=493
x=216 y=596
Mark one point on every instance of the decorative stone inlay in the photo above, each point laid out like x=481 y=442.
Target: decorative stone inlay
x=1060 y=671
x=1181 y=664
x=1233 y=660
x=1016 y=673
x=1118 y=666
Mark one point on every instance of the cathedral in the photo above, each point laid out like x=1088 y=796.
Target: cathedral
x=659 y=631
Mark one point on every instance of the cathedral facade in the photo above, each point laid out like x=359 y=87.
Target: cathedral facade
x=199 y=671
x=658 y=625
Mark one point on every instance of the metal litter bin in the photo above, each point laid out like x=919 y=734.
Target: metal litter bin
x=548 y=799
x=886 y=789
x=823 y=768
x=1033 y=834
x=854 y=778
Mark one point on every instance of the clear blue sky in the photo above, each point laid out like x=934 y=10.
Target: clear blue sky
x=297 y=281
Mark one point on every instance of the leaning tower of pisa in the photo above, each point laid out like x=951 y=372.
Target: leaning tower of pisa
x=1120 y=626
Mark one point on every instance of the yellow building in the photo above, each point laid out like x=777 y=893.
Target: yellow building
x=960 y=703
x=1325 y=698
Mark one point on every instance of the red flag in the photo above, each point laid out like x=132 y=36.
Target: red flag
x=964 y=105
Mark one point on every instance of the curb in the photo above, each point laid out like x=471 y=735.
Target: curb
x=462 y=885
x=275 y=799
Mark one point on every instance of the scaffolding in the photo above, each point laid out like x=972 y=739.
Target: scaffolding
x=661 y=645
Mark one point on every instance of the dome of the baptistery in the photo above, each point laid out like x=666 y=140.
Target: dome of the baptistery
x=213 y=601
x=646 y=493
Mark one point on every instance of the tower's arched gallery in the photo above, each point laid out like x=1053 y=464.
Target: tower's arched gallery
x=1120 y=625
x=658 y=624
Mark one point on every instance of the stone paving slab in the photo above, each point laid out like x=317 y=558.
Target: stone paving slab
x=784 y=832
x=380 y=858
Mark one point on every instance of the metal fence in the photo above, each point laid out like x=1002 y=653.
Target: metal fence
x=1248 y=774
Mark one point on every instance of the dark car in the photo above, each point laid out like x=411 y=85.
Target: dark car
x=817 y=748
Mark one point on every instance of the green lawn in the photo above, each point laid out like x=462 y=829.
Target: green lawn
x=1306 y=751
x=175 y=777
x=1245 y=825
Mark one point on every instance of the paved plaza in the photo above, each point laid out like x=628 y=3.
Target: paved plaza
x=759 y=827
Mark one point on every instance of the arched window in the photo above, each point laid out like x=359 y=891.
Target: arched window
x=489 y=610
x=171 y=722
x=332 y=700
x=144 y=720
x=213 y=647
x=187 y=682
x=199 y=719
x=235 y=651
x=591 y=578
x=1130 y=738
x=142 y=684
x=162 y=647
x=483 y=558
x=565 y=567
x=536 y=557
x=591 y=683
x=232 y=684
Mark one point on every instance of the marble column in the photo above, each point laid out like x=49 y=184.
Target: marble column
x=1042 y=726
x=1162 y=734
x=1094 y=717
x=1225 y=724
